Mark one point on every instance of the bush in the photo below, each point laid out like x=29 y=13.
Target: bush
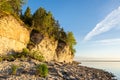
x=14 y=69
x=42 y=70
x=25 y=52
x=10 y=57
x=37 y=55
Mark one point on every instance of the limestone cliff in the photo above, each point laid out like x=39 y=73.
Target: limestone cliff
x=13 y=35
x=64 y=53
x=51 y=49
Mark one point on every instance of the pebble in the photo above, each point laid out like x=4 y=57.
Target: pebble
x=57 y=71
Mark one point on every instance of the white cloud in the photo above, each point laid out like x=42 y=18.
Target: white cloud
x=109 y=41
x=111 y=21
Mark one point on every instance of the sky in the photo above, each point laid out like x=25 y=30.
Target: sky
x=94 y=23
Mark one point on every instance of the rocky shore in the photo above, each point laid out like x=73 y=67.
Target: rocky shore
x=57 y=71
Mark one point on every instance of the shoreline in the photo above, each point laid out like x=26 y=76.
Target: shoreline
x=57 y=71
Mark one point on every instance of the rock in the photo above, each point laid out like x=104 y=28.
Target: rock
x=72 y=77
x=59 y=64
x=63 y=72
x=49 y=49
x=13 y=34
x=60 y=74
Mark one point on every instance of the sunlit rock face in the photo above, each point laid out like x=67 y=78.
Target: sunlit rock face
x=50 y=49
x=13 y=35
x=64 y=53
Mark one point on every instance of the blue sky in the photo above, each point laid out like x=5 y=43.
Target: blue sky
x=95 y=24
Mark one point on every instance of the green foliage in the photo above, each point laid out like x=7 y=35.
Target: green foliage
x=10 y=57
x=27 y=17
x=71 y=41
x=5 y=6
x=62 y=35
x=37 y=55
x=42 y=70
x=12 y=6
x=14 y=69
x=38 y=17
x=25 y=52
x=24 y=55
x=43 y=21
x=17 y=5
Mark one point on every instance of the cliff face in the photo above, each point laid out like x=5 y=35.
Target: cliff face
x=51 y=49
x=13 y=35
x=47 y=48
x=64 y=53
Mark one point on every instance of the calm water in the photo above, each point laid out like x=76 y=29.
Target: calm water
x=113 y=67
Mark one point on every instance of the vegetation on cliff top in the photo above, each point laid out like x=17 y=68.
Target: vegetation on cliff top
x=44 y=22
x=12 y=6
x=41 y=21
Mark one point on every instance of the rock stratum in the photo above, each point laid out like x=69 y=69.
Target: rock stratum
x=14 y=37
x=52 y=50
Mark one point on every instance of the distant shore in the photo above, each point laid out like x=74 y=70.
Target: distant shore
x=100 y=60
x=57 y=71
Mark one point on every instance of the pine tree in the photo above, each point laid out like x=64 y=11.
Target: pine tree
x=27 y=17
x=17 y=5
x=38 y=17
x=12 y=6
x=43 y=21
x=62 y=35
x=5 y=6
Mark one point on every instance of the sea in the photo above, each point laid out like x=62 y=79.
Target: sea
x=109 y=66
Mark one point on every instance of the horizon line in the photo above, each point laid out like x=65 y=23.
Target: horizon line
x=97 y=60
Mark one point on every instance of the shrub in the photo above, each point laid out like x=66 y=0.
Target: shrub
x=10 y=57
x=37 y=55
x=42 y=70
x=25 y=52
x=14 y=69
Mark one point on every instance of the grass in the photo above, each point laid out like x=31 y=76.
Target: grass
x=14 y=69
x=42 y=70
x=37 y=55
x=10 y=57
x=24 y=55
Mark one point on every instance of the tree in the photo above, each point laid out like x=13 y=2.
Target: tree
x=56 y=30
x=27 y=17
x=71 y=41
x=12 y=6
x=43 y=21
x=62 y=35
x=16 y=5
x=38 y=17
x=5 y=6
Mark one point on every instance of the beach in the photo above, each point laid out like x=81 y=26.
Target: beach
x=57 y=71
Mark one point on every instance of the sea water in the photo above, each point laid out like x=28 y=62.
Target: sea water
x=112 y=67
